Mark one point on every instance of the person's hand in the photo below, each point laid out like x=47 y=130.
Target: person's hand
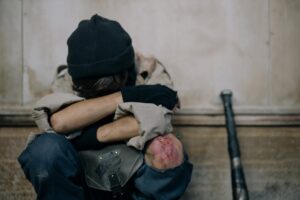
x=156 y=94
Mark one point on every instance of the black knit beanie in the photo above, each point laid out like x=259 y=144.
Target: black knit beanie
x=99 y=47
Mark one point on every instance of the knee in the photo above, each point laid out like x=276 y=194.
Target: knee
x=44 y=151
x=164 y=152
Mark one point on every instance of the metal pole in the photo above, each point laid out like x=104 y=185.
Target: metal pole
x=239 y=186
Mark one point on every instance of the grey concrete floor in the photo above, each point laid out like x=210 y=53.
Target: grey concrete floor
x=270 y=155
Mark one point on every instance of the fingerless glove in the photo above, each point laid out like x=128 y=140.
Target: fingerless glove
x=157 y=94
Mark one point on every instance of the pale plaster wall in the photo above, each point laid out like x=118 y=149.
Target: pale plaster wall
x=249 y=46
x=10 y=52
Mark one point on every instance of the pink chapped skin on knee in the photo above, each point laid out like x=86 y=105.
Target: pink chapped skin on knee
x=166 y=152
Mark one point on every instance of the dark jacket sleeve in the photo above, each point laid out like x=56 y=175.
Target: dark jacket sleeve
x=88 y=138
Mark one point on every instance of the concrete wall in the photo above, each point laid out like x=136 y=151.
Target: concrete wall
x=11 y=67
x=251 y=47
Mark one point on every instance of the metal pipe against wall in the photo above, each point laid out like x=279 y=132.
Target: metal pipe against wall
x=239 y=186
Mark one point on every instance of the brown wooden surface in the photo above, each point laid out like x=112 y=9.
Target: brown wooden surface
x=271 y=159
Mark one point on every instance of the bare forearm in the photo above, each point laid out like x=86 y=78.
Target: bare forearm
x=84 y=113
x=119 y=130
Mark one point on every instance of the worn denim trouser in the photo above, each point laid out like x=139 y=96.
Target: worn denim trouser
x=52 y=165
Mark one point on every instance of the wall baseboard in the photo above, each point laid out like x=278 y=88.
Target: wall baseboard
x=21 y=116
x=241 y=120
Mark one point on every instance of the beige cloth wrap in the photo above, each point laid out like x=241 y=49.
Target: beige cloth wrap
x=153 y=121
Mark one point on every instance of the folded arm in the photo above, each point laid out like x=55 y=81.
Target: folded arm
x=106 y=131
x=89 y=114
x=119 y=130
x=84 y=113
x=134 y=122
